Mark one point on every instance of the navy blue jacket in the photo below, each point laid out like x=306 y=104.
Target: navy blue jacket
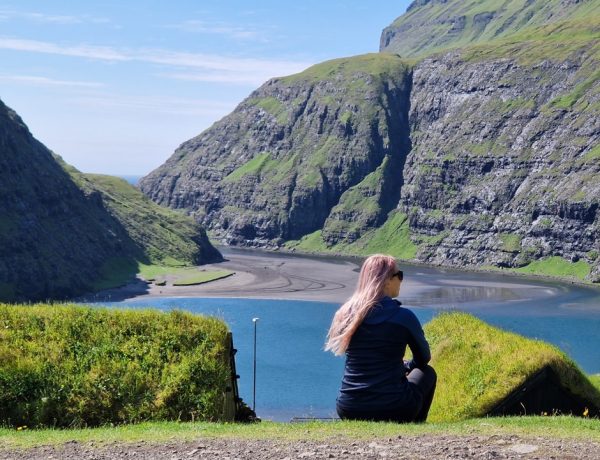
x=375 y=373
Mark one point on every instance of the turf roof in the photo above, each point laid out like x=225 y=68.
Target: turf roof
x=483 y=370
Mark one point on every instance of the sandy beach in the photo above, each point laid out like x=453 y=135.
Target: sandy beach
x=257 y=275
x=272 y=275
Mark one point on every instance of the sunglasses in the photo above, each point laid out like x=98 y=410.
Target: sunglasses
x=399 y=274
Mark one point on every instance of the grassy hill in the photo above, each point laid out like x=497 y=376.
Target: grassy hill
x=63 y=233
x=77 y=366
x=432 y=26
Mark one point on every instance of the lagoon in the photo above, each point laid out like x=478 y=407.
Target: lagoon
x=296 y=378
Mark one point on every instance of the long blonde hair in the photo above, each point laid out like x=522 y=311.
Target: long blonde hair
x=375 y=271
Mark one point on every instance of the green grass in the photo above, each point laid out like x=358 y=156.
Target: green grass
x=162 y=234
x=567 y=101
x=393 y=238
x=253 y=166
x=180 y=275
x=202 y=277
x=510 y=242
x=312 y=242
x=555 y=427
x=557 y=266
x=345 y=117
x=358 y=208
x=71 y=365
x=270 y=104
x=152 y=272
x=531 y=26
x=117 y=272
x=593 y=155
x=273 y=106
x=479 y=365
x=348 y=68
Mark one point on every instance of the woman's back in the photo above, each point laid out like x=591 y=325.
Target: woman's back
x=375 y=374
x=373 y=330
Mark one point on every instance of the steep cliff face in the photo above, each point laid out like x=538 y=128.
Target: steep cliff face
x=57 y=239
x=487 y=155
x=274 y=169
x=505 y=161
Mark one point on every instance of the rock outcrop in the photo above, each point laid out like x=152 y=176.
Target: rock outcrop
x=505 y=162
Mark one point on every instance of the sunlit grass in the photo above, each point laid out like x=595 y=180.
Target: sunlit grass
x=202 y=277
x=72 y=365
x=479 y=365
x=557 y=266
x=180 y=275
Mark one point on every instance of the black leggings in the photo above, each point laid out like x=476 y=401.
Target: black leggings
x=423 y=383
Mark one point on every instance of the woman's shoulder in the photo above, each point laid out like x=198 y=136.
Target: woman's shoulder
x=401 y=314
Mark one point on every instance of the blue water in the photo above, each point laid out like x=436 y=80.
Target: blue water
x=133 y=180
x=295 y=377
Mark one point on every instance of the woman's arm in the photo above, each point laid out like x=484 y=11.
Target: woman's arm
x=417 y=343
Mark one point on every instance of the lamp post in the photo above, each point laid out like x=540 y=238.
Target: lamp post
x=254 y=320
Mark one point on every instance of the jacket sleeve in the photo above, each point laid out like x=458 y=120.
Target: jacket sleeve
x=417 y=343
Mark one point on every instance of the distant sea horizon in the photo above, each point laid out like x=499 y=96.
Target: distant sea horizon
x=132 y=179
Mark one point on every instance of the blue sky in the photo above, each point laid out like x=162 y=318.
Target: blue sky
x=115 y=86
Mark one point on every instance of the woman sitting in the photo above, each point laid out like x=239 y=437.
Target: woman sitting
x=373 y=330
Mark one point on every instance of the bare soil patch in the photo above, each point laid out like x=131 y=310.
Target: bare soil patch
x=401 y=447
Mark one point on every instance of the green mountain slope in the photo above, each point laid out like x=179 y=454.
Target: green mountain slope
x=274 y=168
x=474 y=151
x=60 y=237
x=431 y=26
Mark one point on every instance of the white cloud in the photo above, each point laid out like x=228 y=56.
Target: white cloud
x=51 y=18
x=93 y=52
x=221 y=77
x=235 y=32
x=44 y=81
x=149 y=104
x=230 y=69
x=54 y=19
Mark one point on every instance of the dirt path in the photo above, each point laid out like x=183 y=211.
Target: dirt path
x=409 y=447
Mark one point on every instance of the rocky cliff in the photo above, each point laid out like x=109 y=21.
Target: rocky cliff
x=58 y=237
x=505 y=161
x=276 y=168
x=478 y=155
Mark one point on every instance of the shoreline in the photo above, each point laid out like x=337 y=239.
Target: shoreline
x=475 y=270
x=255 y=275
x=285 y=275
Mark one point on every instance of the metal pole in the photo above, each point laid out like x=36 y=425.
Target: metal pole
x=254 y=320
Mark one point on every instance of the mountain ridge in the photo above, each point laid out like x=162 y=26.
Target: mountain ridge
x=431 y=26
x=478 y=138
